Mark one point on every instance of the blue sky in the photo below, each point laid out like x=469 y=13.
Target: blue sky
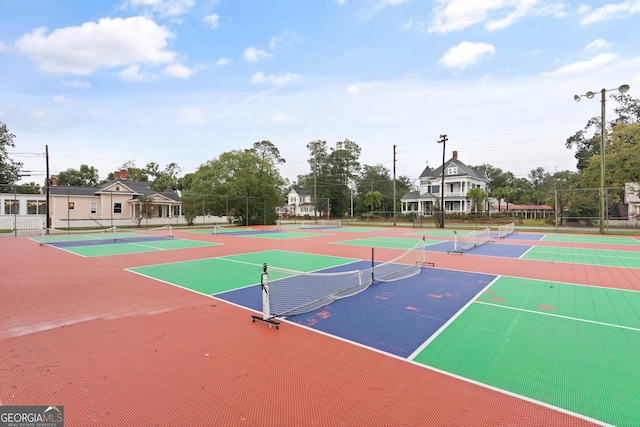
x=104 y=82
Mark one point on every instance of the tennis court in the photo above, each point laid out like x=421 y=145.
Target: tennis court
x=119 y=242
x=531 y=329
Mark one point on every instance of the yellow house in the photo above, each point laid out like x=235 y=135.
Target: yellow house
x=115 y=203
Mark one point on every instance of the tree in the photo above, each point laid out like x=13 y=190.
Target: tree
x=477 y=196
x=376 y=178
x=9 y=169
x=249 y=182
x=144 y=204
x=134 y=173
x=87 y=176
x=373 y=199
x=587 y=141
x=30 y=188
x=331 y=171
x=161 y=180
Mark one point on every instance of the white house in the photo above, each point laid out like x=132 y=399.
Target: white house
x=22 y=211
x=632 y=199
x=299 y=202
x=458 y=180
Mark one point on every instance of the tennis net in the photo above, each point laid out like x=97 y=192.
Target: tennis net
x=293 y=292
x=105 y=236
x=465 y=241
x=506 y=230
x=322 y=223
x=239 y=230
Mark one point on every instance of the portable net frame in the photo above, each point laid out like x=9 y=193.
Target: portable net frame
x=105 y=236
x=465 y=241
x=292 y=292
x=506 y=230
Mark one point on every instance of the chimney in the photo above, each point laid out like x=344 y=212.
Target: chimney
x=123 y=174
x=116 y=175
x=455 y=155
x=54 y=181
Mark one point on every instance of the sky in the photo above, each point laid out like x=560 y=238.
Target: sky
x=105 y=82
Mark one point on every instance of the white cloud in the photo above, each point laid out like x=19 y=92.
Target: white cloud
x=147 y=120
x=276 y=80
x=289 y=38
x=77 y=84
x=356 y=88
x=522 y=9
x=598 y=44
x=609 y=11
x=251 y=54
x=2 y=46
x=61 y=99
x=341 y=2
x=163 y=7
x=223 y=62
x=584 y=66
x=455 y=15
x=464 y=54
x=179 y=71
x=212 y=20
x=132 y=74
x=108 y=43
x=191 y=117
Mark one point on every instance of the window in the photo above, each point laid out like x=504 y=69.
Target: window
x=435 y=189
x=94 y=207
x=35 y=207
x=117 y=208
x=11 y=207
x=72 y=205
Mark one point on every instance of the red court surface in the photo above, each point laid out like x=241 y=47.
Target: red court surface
x=119 y=349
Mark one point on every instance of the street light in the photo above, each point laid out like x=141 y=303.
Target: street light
x=590 y=95
x=443 y=141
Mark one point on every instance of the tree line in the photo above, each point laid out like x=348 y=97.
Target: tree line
x=247 y=184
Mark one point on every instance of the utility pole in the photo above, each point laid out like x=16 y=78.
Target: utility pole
x=394 y=185
x=47 y=184
x=443 y=141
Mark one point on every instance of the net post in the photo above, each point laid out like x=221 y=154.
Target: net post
x=42 y=237
x=266 y=311
x=372 y=264
x=170 y=230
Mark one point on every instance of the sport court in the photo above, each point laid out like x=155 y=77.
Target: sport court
x=566 y=346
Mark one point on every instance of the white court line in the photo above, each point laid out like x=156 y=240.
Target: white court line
x=577 y=319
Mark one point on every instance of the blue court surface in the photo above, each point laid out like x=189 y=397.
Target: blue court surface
x=394 y=317
x=489 y=249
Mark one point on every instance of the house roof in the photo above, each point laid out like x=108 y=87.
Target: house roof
x=133 y=187
x=463 y=169
x=302 y=191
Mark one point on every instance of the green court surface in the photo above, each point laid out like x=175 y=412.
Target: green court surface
x=449 y=233
x=258 y=233
x=387 y=242
x=349 y=229
x=601 y=240
x=282 y=235
x=198 y=230
x=571 y=346
x=611 y=258
x=214 y=275
x=137 y=247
